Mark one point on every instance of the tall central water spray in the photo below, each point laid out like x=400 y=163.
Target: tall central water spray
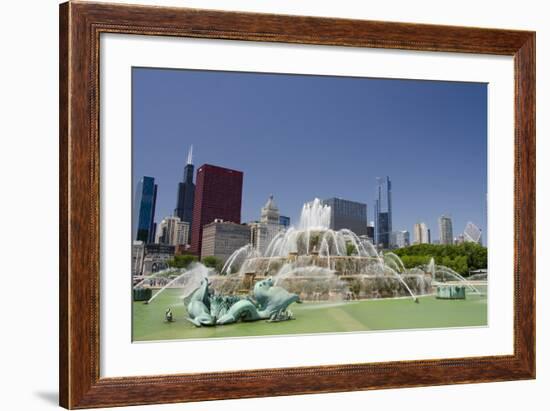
x=315 y=216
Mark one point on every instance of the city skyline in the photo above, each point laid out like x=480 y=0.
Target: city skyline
x=284 y=221
x=291 y=194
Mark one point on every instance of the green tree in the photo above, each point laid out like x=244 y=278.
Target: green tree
x=461 y=264
x=182 y=261
x=462 y=258
x=211 y=261
x=411 y=261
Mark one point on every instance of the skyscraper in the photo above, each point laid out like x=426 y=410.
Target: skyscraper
x=370 y=232
x=347 y=214
x=400 y=239
x=221 y=238
x=472 y=233
x=263 y=232
x=186 y=192
x=422 y=234
x=218 y=195
x=270 y=212
x=172 y=231
x=145 y=200
x=383 y=212
x=445 y=230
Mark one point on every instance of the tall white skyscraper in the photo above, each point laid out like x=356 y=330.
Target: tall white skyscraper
x=422 y=234
x=445 y=230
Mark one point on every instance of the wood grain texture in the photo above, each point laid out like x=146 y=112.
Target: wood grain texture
x=525 y=204
x=80 y=27
x=63 y=204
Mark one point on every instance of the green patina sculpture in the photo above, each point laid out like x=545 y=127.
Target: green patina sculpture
x=268 y=302
x=199 y=306
x=273 y=301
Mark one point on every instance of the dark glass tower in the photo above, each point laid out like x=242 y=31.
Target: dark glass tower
x=383 y=212
x=144 y=210
x=218 y=196
x=186 y=192
x=347 y=214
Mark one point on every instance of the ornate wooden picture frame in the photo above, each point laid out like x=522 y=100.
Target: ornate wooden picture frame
x=81 y=25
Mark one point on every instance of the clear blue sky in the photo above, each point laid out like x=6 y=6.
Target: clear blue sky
x=301 y=137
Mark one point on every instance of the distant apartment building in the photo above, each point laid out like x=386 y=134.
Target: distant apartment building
x=221 y=238
x=400 y=239
x=383 y=212
x=347 y=214
x=218 y=195
x=445 y=230
x=172 y=231
x=143 y=215
x=422 y=234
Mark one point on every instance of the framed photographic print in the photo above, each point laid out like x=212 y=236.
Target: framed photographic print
x=257 y=205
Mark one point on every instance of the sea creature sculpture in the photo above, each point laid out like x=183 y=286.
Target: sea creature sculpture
x=221 y=305
x=268 y=303
x=273 y=301
x=244 y=310
x=199 y=306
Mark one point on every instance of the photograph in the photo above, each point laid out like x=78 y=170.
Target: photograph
x=273 y=204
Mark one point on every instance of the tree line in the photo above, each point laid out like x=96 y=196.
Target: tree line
x=184 y=260
x=462 y=258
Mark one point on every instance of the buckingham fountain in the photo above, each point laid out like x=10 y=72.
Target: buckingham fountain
x=307 y=263
x=318 y=264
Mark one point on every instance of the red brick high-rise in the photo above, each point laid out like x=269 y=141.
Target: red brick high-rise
x=218 y=194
